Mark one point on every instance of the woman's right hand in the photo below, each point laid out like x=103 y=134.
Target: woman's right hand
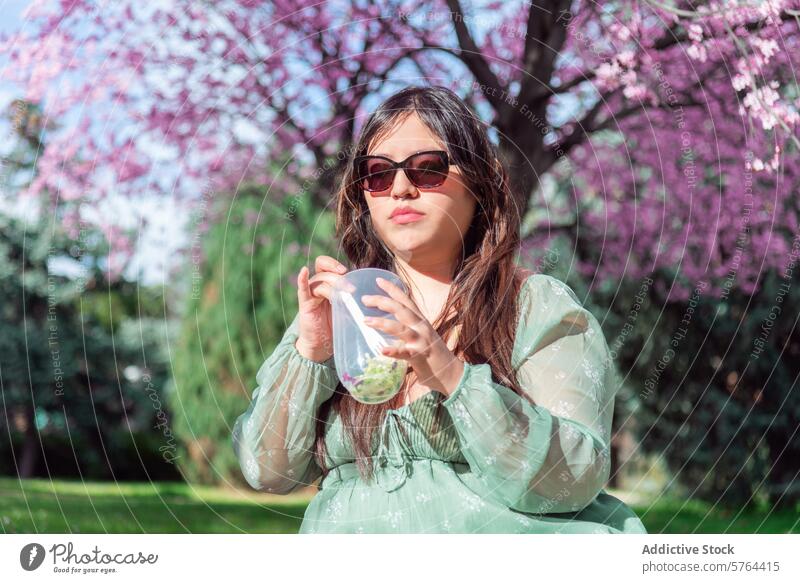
x=315 y=330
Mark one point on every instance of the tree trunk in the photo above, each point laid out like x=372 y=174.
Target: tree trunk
x=30 y=449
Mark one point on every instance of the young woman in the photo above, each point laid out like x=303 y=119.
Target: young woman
x=503 y=421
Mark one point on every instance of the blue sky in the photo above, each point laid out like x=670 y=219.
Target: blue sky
x=10 y=11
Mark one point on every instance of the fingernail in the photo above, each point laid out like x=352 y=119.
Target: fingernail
x=342 y=269
x=380 y=280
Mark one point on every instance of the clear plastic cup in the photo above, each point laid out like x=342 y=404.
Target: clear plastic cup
x=370 y=376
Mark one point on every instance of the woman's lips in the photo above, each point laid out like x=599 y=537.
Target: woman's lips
x=406 y=218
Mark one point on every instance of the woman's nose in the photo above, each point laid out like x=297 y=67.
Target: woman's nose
x=402 y=187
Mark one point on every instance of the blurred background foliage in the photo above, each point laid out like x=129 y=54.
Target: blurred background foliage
x=74 y=353
x=243 y=297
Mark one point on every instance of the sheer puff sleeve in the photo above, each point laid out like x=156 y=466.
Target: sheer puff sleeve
x=273 y=439
x=552 y=454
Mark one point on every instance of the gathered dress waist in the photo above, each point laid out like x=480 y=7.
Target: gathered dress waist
x=390 y=477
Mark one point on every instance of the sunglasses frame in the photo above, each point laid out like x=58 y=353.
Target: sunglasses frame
x=403 y=164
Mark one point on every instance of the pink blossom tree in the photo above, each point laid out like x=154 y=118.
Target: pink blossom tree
x=656 y=135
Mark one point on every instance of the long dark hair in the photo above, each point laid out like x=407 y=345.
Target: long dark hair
x=482 y=303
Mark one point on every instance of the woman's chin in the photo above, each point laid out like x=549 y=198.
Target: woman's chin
x=408 y=239
x=405 y=250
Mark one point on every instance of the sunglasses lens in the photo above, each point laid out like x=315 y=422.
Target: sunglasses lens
x=427 y=170
x=376 y=174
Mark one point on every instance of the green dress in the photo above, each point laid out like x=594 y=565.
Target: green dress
x=490 y=461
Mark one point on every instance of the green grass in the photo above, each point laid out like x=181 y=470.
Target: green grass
x=62 y=506
x=696 y=517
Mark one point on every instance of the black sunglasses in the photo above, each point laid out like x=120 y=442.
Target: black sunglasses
x=424 y=169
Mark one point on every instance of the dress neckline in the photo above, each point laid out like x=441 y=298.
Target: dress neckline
x=420 y=398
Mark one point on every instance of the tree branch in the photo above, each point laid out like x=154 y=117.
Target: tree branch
x=543 y=41
x=472 y=57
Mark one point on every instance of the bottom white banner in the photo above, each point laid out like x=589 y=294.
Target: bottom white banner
x=388 y=558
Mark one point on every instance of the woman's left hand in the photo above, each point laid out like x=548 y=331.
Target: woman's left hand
x=433 y=362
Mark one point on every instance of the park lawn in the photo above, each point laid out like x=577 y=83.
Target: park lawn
x=697 y=517
x=66 y=506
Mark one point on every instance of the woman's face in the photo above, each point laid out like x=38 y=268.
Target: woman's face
x=437 y=236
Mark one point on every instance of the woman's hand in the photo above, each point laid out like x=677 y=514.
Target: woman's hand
x=315 y=332
x=426 y=352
